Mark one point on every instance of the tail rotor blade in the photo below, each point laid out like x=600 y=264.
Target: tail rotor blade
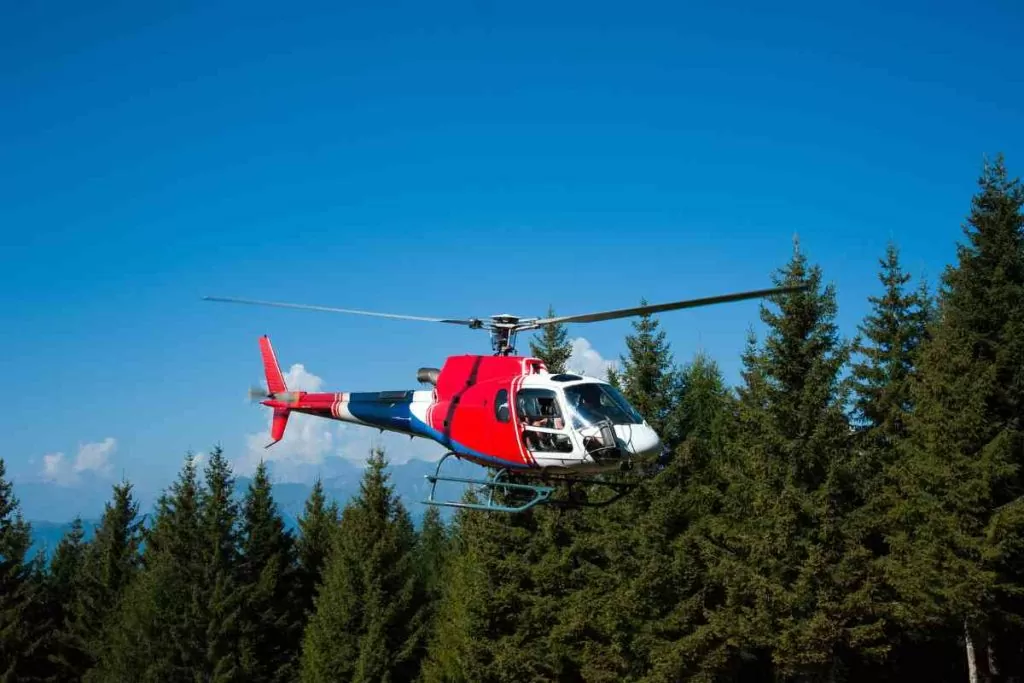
x=257 y=394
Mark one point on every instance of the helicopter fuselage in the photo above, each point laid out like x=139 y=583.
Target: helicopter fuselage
x=505 y=412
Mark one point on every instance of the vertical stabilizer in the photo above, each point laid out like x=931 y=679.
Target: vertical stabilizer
x=276 y=387
x=275 y=380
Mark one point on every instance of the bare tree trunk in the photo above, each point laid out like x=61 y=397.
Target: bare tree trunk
x=993 y=668
x=972 y=666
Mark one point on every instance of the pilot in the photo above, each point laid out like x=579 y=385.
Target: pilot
x=549 y=415
x=533 y=439
x=546 y=416
x=589 y=405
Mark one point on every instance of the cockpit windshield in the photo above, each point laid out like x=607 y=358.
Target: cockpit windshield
x=592 y=402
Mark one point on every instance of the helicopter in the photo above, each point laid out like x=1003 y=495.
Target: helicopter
x=533 y=430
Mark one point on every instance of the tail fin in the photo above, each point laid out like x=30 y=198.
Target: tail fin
x=275 y=380
x=275 y=385
x=277 y=425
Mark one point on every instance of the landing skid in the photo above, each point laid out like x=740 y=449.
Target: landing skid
x=503 y=494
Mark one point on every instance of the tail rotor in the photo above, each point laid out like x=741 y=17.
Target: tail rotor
x=258 y=394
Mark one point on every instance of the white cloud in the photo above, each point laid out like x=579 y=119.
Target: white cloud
x=55 y=469
x=585 y=360
x=307 y=439
x=299 y=379
x=95 y=457
x=92 y=457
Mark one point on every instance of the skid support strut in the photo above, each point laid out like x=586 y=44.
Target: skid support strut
x=498 y=494
x=511 y=496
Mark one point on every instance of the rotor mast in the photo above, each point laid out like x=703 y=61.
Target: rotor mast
x=504 y=329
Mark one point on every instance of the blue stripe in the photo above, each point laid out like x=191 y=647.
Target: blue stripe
x=386 y=414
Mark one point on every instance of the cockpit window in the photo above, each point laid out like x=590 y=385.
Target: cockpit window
x=593 y=402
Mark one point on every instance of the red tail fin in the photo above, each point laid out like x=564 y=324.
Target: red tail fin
x=275 y=385
x=275 y=380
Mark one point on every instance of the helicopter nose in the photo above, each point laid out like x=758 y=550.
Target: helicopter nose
x=641 y=441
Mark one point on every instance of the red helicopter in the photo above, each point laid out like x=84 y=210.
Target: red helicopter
x=532 y=429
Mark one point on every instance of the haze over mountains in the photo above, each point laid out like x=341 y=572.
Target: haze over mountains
x=51 y=507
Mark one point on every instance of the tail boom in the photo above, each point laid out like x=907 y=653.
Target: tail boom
x=396 y=411
x=404 y=411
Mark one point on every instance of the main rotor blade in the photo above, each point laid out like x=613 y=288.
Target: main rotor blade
x=330 y=309
x=659 y=308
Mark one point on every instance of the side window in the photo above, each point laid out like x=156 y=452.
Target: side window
x=542 y=420
x=501 y=405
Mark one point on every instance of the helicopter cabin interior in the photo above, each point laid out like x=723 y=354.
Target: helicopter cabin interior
x=563 y=423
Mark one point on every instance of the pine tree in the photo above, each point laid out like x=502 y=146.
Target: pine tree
x=892 y=335
x=19 y=638
x=156 y=634
x=792 y=569
x=433 y=543
x=888 y=347
x=180 y=617
x=369 y=622
x=671 y=585
x=219 y=606
x=64 y=583
x=553 y=347
x=957 y=555
x=648 y=377
x=110 y=563
x=498 y=617
x=272 y=619
x=317 y=527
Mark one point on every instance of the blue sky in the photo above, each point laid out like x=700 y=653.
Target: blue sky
x=579 y=154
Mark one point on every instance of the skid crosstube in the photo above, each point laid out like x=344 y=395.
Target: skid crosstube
x=520 y=496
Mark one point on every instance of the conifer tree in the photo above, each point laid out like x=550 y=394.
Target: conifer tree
x=272 y=619
x=219 y=605
x=19 y=638
x=791 y=567
x=888 y=347
x=671 y=585
x=957 y=555
x=155 y=634
x=68 y=660
x=648 y=377
x=553 y=347
x=180 y=617
x=892 y=335
x=110 y=562
x=498 y=617
x=317 y=527
x=369 y=622
x=433 y=548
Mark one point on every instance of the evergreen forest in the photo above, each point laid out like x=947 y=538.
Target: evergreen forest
x=852 y=510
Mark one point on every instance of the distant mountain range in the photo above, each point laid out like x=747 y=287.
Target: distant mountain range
x=51 y=508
